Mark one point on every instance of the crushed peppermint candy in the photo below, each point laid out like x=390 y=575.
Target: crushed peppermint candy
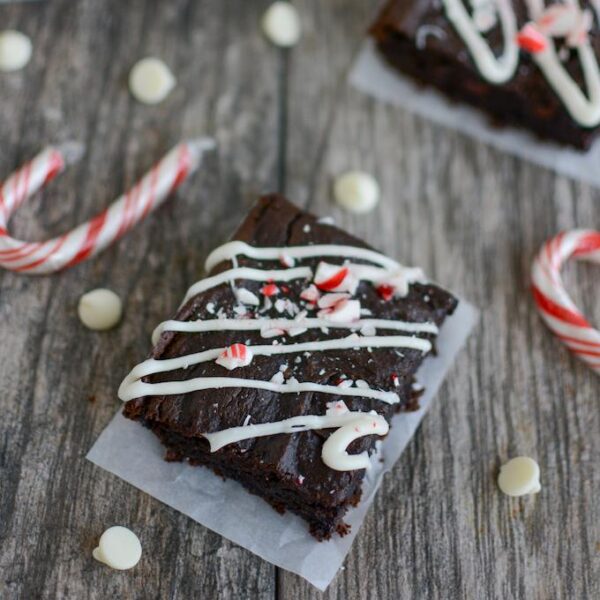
x=330 y=300
x=240 y=311
x=386 y=292
x=267 y=305
x=277 y=378
x=300 y=479
x=336 y=408
x=335 y=278
x=236 y=355
x=368 y=330
x=286 y=260
x=311 y=294
x=268 y=331
x=326 y=221
x=246 y=297
x=210 y=308
x=531 y=39
x=345 y=383
x=269 y=289
x=395 y=379
x=342 y=311
x=558 y=20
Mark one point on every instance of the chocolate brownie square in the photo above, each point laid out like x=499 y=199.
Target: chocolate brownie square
x=282 y=369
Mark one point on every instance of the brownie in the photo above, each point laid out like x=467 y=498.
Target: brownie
x=417 y=38
x=287 y=470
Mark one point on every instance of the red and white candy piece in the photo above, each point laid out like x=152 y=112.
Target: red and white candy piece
x=558 y=20
x=236 y=355
x=90 y=238
x=269 y=289
x=531 y=39
x=338 y=307
x=311 y=294
x=335 y=278
x=554 y=304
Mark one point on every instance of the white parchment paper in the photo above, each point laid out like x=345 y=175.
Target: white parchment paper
x=371 y=74
x=133 y=453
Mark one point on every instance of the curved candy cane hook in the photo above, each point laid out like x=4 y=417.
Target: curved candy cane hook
x=93 y=236
x=552 y=301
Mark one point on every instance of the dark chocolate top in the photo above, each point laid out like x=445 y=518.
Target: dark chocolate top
x=276 y=222
x=405 y=18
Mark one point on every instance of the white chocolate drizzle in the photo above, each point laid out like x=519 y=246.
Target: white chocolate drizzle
x=167 y=388
x=232 y=249
x=130 y=389
x=496 y=70
x=350 y=425
x=585 y=110
x=286 y=324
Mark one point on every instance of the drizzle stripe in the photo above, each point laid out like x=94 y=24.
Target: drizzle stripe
x=152 y=366
x=169 y=388
x=352 y=425
x=235 y=248
x=247 y=273
x=256 y=324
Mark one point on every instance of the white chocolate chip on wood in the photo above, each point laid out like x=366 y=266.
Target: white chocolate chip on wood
x=151 y=81
x=356 y=191
x=119 y=548
x=281 y=24
x=520 y=476
x=100 y=309
x=15 y=50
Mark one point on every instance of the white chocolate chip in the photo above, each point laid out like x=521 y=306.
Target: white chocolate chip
x=520 y=476
x=151 y=81
x=15 y=50
x=119 y=548
x=281 y=24
x=100 y=309
x=356 y=191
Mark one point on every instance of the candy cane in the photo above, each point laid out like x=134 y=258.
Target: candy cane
x=554 y=304
x=93 y=236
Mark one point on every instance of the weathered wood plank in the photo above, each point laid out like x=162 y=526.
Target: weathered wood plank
x=471 y=216
x=59 y=381
x=474 y=219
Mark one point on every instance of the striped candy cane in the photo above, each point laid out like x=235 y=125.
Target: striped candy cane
x=93 y=236
x=554 y=304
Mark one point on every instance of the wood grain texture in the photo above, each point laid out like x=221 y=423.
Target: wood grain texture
x=472 y=217
x=59 y=380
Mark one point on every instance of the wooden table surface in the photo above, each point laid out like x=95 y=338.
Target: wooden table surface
x=471 y=216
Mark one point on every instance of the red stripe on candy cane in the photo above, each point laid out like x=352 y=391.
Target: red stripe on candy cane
x=551 y=298
x=89 y=243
